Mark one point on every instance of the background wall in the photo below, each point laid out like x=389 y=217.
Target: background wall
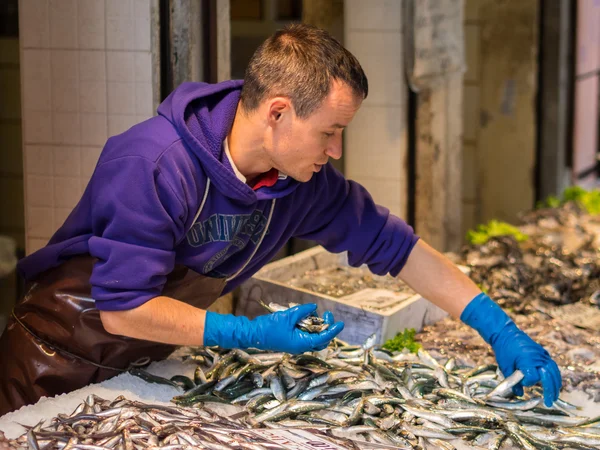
x=500 y=91
x=376 y=140
x=12 y=220
x=586 y=114
x=86 y=73
x=471 y=91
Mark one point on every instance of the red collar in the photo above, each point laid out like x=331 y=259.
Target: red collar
x=266 y=179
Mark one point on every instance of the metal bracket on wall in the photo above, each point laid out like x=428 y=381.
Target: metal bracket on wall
x=595 y=169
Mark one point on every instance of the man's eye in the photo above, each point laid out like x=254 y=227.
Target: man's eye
x=328 y=134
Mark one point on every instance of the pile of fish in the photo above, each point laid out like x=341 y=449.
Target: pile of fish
x=558 y=264
x=376 y=397
x=338 y=282
x=354 y=397
x=575 y=350
x=98 y=424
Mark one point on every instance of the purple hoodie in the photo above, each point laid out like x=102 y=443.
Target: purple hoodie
x=138 y=214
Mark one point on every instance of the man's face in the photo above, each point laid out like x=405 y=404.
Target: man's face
x=299 y=147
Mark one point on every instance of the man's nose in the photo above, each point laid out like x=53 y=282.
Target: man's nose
x=334 y=150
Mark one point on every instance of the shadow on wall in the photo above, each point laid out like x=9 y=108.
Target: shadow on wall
x=12 y=216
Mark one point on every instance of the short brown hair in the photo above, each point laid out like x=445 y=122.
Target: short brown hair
x=299 y=62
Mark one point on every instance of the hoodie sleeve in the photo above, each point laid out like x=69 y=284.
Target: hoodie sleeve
x=342 y=216
x=137 y=220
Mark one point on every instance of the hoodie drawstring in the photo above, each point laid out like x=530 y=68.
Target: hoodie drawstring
x=261 y=237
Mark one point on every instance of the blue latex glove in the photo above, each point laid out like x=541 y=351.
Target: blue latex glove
x=513 y=348
x=276 y=331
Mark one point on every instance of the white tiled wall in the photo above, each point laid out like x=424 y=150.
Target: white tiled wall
x=86 y=74
x=375 y=146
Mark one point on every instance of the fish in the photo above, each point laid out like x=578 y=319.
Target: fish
x=340 y=281
x=397 y=401
x=102 y=426
x=506 y=386
x=310 y=324
x=389 y=401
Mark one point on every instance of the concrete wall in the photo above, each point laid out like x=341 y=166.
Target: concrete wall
x=376 y=140
x=86 y=74
x=471 y=108
x=500 y=88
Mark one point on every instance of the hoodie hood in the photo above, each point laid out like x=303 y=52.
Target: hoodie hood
x=203 y=115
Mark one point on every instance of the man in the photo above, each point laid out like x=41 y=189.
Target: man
x=217 y=183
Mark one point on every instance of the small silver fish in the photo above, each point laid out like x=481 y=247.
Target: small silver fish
x=310 y=324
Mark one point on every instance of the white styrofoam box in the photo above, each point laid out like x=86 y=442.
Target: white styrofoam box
x=271 y=284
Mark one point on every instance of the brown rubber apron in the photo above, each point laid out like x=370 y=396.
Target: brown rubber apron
x=55 y=342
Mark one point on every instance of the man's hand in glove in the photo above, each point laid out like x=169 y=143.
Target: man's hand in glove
x=276 y=331
x=513 y=348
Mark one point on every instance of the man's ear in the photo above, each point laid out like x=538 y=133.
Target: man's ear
x=278 y=107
